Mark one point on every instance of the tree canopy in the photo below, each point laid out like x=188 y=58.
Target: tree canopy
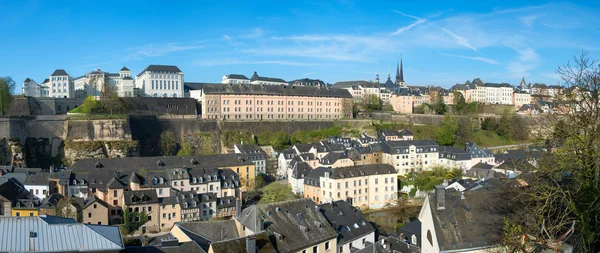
x=168 y=143
x=7 y=87
x=277 y=192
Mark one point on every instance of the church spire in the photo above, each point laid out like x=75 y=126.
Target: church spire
x=399 y=72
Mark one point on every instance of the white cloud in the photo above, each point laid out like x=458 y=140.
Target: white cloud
x=475 y=58
x=226 y=37
x=528 y=20
x=408 y=27
x=253 y=33
x=459 y=40
x=526 y=61
x=151 y=50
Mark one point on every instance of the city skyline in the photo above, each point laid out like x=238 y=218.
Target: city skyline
x=441 y=46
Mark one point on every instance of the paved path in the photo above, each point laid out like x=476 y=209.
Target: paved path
x=510 y=146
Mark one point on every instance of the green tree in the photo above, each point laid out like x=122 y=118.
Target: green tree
x=372 y=102
x=168 y=143
x=459 y=103
x=562 y=192
x=439 y=107
x=277 y=192
x=132 y=221
x=489 y=124
x=186 y=150
x=464 y=131
x=7 y=87
x=446 y=134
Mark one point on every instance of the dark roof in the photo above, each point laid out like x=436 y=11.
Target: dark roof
x=481 y=165
x=161 y=68
x=263 y=244
x=498 y=85
x=476 y=151
x=213 y=231
x=135 y=163
x=349 y=84
x=453 y=153
x=140 y=197
x=300 y=170
x=124 y=69
x=291 y=225
x=237 y=76
x=405 y=132
x=51 y=201
x=402 y=147
x=361 y=170
x=331 y=158
x=59 y=72
x=253 y=151
x=256 y=77
x=93 y=199
x=303 y=148
x=308 y=82
x=466 y=223
x=11 y=189
x=188 y=86
x=275 y=90
x=187 y=247
x=410 y=229
x=225 y=202
x=348 y=221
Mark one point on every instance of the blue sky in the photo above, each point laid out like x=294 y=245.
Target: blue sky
x=442 y=42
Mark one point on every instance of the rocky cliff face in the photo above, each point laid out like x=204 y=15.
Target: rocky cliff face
x=11 y=153
x=76 y=150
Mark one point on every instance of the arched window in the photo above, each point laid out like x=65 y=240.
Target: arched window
x=162 y=180
x=155 y=95
x=174 y=95
x=195 y=180
x=185 y=204
x=429 y=237
x=165 y=95
x=201 y=179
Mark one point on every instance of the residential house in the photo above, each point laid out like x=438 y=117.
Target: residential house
x=298 y=171
x=283 y=162
x=459 y=222
x=235 y=79
x=95 y=211
x=36 y=182
x=372 y=186
x=49 y=204
x=479 y=155
x=228 y=206
x=169 y=212
x=254 y=154
x=454 y=158
x=354 y=230
x=49 y=234
x=335 y=160
x=10 y=190
x=196 y=207
x=411 y=233
x=292 y=226
x=409 y=156
x=144 y=201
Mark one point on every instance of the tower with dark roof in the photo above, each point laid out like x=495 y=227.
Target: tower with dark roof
x=523 y=83
x=399 y=73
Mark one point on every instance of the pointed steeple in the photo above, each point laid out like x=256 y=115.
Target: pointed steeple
x=523 y=82
x=399 y=72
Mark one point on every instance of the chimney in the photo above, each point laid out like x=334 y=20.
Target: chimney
x=440 y=197
x=261 y=225
x=238 y=207
x=32 y=236
x=251 y=244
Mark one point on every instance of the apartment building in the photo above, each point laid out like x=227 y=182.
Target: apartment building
x=93 y=82
x=95 y=211
x=60 y=84
x=160 y=81
x=409 y=156
x=372 y=186
x=144 y=201
x=479 y=155
x=521 y=98
x=356 y=232
x=454 y=158
x=32 y=89
x=308 y=82
x=486 y=93
x=254 y=154
x=361 y=89
x=274 y=102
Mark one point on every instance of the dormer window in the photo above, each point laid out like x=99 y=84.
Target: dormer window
x=75 y=181
x=195 y=180
x=161 y=180
x=194 y=203
x=160 y=163
x=185 y=205
x=154 y=180
x=201 y=179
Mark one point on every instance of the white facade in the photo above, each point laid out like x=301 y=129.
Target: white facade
x=40 y=191
x=235 y=79
x=359 y=243
x=92 y=83
x=31 y=88
x=60 y=84
x=161 y=81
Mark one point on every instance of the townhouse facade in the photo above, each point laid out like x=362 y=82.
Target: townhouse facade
x=274 y=102
x=410 y=156
x=372 y=186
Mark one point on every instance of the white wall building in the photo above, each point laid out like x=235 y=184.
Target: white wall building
x=38 y=183
x=60 y=85
x=31 y=88
x=92 y=83
x=161 y=81
x=255 y=79
x=235 y=79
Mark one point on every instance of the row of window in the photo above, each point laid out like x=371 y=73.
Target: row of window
x=164 y=76
x=167 y=85
x=165 y=95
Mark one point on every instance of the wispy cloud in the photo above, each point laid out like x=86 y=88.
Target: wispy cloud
x=253 y=33
x=528 y=20
x=151 y=50
x=223 y=62
x=408 y=27
x=226 y=37
x=526 y=61
x=459 y=40
x=475 y=58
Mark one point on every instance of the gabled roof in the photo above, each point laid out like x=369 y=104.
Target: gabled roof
x=465 y=223
x=291 y=225
x=410 y=229
x=237 y=76
x=124 y=69
x=11 y=189
x=56 y=234
x=51 y=201
x=263 y=244
x=129 y=164
x=59 y=72
x=140 y=197
x=161 y=68
x=256 y=77
x=331 y=158
x=405 y=132
x=348 y=221
x=93 y=199
x=213 y=231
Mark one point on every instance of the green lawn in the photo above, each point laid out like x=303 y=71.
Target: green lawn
x=485 y=138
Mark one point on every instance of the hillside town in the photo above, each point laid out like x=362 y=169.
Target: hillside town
x=297 y=127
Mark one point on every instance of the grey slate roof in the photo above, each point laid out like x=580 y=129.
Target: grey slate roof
x=331 y=158
x=466 y=223
x=300 y=170
x=130 y=164
x=140 y=197
x=283 y=90
x=263 y=245
x=256 y=77
x=160 y=68
x=237 y=76
x=291 y=225
x=410 y=229
x=187 y=247
x=348 y=221
x=476 y=151
x=402 y=147
x=213 y=231
x=124 y=69
x=56 y=234
x=93 y=199
x=59 y=72
x=453 y=153
x=349 y=84
x=307 y=82
x=11 y=189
